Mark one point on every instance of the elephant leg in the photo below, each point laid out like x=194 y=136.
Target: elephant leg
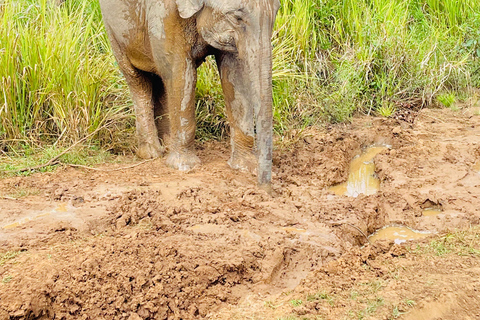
x=239 y=113
x=160 y=109
x=141 y=88
x=181 y=106
x=140 y=85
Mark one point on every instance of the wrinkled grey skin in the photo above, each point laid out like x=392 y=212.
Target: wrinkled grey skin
x=160 y=43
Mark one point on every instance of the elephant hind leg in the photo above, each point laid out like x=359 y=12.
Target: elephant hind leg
x=162 y=120
x=141 y=88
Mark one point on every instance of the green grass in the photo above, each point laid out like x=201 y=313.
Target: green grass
x=321 y=296
x=59 y=81
x=296 y=302
x=9 y=255
x=460 y=243
x=447 y=99
x=25 y=156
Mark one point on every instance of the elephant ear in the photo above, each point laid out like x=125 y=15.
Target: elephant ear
x=187 y=8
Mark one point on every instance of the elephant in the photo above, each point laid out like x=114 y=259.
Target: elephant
x=159 y=44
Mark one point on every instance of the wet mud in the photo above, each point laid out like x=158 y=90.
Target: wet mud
x=361 y=178
x=398 y=235
x=154 y=243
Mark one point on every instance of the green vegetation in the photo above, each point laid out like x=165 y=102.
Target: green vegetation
x=462 y=243
x=321 y=296
x=296 y=302
x=59 y=81
x=9 y=255
x=447 y=99
x=24 y=156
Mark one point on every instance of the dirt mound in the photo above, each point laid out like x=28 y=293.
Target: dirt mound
x=149 y=242
x=139 y=275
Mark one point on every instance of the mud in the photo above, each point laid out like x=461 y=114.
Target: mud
x=150 y=242
x=397 y=234
x=362 y=178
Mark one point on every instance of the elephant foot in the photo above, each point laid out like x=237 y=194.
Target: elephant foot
x=245 y=162
x=150 y=151
x=183 y=161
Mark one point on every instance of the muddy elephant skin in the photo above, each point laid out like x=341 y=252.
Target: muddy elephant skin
x=159 y=44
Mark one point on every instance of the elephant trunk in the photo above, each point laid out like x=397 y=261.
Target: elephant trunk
x=264 y=118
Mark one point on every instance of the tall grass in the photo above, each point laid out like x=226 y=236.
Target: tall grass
x=332 y=58
x=57 y=74
x=369 y=55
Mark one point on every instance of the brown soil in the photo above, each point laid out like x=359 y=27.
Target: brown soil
x=152 y=243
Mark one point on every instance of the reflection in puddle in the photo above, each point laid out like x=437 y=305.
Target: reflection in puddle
x=398 y=234
x=58 y=212
x=431 y=212
x=361 y=178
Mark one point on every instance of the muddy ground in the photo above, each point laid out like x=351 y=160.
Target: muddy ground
x=148 y=242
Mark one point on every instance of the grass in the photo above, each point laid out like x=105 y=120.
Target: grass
x=296 y=302
x=447 y=99
x=59 y=81
x=9 y=255
x=321 y=296
x=24 y=156
x=462 y=243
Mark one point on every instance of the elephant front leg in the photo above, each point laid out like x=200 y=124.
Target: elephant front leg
x=239 y=113
x=181 y=105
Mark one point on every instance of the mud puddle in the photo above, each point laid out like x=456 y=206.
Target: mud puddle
x=398 y=234
x=431 y=212
x=362 y=178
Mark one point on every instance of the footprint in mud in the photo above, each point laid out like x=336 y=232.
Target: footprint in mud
x=362 y=178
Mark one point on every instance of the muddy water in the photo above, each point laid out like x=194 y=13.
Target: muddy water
x=398 y=234
x=361 y=179
x=431 y=212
